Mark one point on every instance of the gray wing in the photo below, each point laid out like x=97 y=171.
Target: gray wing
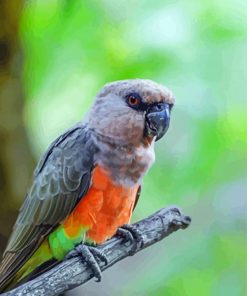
x=61 y=179
x=138 y=194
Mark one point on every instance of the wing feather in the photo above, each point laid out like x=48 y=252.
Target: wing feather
x=138 y=194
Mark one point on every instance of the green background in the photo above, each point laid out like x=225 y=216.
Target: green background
x=196 y=48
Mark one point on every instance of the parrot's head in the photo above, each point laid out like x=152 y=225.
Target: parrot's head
x=132 y=111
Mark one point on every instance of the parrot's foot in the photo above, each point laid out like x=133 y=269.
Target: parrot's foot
x=131 y=233
x=91 y=255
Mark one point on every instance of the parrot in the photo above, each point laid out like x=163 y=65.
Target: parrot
x=88 y=182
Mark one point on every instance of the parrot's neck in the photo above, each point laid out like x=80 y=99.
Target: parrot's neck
x=127 y=164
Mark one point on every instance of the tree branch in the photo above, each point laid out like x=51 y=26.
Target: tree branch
x=72 y=273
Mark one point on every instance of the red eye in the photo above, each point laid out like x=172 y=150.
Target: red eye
x=133 y=101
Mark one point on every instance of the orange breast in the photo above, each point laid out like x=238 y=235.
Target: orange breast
x=105 y=207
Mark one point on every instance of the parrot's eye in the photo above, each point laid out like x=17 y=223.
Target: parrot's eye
x=133 y=100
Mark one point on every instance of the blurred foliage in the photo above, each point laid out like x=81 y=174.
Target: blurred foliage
x=15 y=154
x=196 y=48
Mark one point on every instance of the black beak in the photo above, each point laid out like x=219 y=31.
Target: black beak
x=157 y=120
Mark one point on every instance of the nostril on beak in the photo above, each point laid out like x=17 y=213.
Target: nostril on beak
x=157 y=107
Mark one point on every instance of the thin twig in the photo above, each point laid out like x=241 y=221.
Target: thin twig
x=73 y=273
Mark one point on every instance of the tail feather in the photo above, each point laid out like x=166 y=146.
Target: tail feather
x=14 y=271
x=8 y=269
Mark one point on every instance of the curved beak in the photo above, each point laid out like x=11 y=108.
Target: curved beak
x=157 y=120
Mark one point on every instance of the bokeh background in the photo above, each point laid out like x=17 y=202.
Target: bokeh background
x=54 y=57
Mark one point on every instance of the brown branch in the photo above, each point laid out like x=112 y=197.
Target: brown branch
x=73 y=273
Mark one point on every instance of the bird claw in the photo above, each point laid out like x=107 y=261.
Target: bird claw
x=92 y=256
x=131 y=233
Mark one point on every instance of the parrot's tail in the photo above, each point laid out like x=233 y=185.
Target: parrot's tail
x=28 y=269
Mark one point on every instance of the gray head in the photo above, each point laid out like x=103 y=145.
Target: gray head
x=131 y=112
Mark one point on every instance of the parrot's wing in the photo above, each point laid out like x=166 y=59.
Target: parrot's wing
x=138 y=194
x=61 y=179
